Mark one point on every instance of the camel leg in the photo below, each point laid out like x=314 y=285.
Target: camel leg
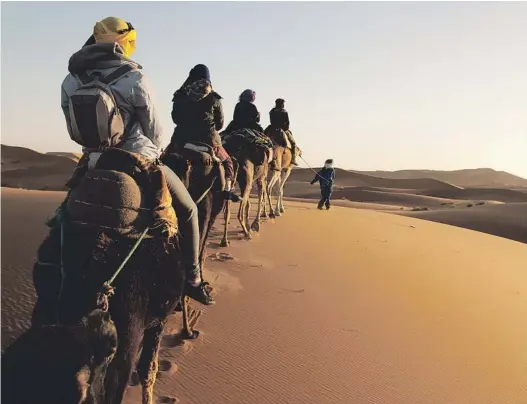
x=279 y=182
x=149 y=361
x=261 y=190
x=227 y=210
x=187 y=332
x=281 y=190
x=245 y=186
x=120 y=368
x=270 y=187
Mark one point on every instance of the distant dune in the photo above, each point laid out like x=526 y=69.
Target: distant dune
x=74 y=156
x=478 y=177
x=356 y=179
x=505 y=220
x=28 y=169
x=495 y=194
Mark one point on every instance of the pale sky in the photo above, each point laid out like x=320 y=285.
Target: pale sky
x=373 y=85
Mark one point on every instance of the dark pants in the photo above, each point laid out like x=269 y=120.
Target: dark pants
x=226 y=161
x=325 y=193
x=187 y=214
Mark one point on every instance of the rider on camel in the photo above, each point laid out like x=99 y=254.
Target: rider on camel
x=246 y=115
x=106 y=51
x=198 y=114
x=279 y=119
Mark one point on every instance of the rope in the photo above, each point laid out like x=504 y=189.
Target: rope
x=118 y=270
x=62 y=272
x=316 y=172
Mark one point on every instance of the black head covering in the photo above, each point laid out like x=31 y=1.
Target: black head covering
x=198 y=72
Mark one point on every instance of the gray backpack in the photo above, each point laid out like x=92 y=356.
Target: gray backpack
x=96 y=120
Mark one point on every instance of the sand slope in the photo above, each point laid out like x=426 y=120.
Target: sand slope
x=356 y=179
x=28 y=169
x=346 y=306
x=478 y=177
x=504 y=220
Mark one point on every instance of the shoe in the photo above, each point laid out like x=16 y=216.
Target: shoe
x=231 y=196
x=319 y=208
x=199 y=293
x=327 y=207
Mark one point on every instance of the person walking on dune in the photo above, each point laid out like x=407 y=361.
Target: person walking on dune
x=326 y=177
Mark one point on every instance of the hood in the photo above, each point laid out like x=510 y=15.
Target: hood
x=98 y=56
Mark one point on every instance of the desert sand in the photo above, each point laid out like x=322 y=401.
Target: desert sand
x=345 y=306
x=366 y=303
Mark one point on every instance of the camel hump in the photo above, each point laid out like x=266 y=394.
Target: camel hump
x=110 y=200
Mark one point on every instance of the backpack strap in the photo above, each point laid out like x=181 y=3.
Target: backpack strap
x=116 y=74
x=84 y=78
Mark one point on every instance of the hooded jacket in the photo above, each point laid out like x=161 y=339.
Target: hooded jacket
x=325 y=177
x=132 y=92
x=197 y=118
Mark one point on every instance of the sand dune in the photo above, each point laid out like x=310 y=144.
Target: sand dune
x=356 y=179
x=28 y=169
x=495 y=194
x=73 y=156
x=384 y=309
x=478 y=177
x=505 y=220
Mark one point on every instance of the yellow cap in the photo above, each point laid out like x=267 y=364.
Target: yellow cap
x=113 y=29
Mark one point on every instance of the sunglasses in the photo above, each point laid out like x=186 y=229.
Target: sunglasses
x=124 y=31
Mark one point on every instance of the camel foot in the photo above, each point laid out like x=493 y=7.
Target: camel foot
x=179 y=308
x=277 y=213
x=248 y=236
x=193 y=334
x=282 y=210
x=255 y=226
x=272 y=215
x=264 y=215
x=225 y=243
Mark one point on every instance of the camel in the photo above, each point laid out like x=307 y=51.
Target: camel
x=281 y=170
x=253 y=166
x=144 y=294
x=70 y=360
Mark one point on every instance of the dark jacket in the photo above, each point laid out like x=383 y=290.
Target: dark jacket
x=325 y=177
x=279 y=118
x=246 y=115
x=197 y=120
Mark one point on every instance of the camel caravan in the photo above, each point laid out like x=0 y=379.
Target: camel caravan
x=127 y=247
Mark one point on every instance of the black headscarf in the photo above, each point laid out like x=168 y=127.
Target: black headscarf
x=198 y=72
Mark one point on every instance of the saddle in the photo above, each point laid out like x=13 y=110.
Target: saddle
x=278 y=136
x=242 y=141
x=122 y=192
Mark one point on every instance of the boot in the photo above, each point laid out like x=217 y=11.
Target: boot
x=228 y=194
x=293 y=156
x=199 y=292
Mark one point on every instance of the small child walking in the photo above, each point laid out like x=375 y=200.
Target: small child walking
x=325 y=177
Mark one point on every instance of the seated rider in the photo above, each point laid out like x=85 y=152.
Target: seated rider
x=279 y=118
x=198 y=115
x=246 y=115
x=107 y=53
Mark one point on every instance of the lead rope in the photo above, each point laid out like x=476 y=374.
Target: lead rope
x=106 y=290
x=312 y=169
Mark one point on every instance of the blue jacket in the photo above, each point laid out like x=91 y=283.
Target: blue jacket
x=325 y=177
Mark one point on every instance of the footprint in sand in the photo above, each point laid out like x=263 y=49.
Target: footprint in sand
x=167 y=400
x=167 y=367
x=134 y=379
